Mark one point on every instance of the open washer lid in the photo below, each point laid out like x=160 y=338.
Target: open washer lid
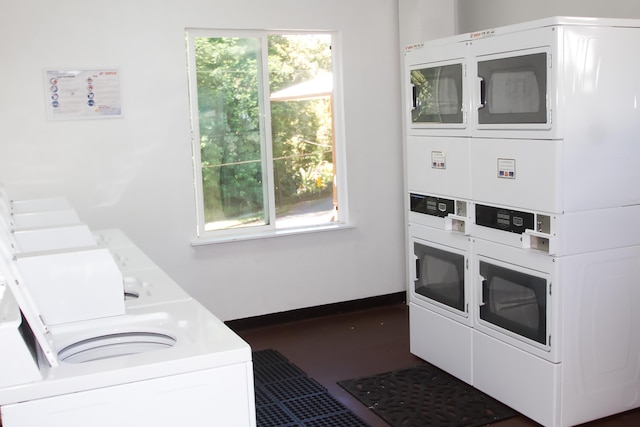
x=59 y=287
x=71 y=286
x=30 y=314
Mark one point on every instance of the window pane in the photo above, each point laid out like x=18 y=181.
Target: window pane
x=437 y=94
x=301 y=84
x=265 y=163
x=228 y=88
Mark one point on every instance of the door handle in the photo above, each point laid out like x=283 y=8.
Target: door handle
x=480 y=291
x=414 y=97
x=483 y=93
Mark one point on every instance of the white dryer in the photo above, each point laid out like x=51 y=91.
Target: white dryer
x=548 y=108
x=441 y=299
x=557 y=338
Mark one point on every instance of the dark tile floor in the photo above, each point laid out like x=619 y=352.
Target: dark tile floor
x=360 y=343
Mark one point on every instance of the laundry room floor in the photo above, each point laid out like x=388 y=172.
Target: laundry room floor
x=352 y=344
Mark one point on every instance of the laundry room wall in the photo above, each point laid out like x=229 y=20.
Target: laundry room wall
x=474 y=15
x=135 y=172
x=421 y=20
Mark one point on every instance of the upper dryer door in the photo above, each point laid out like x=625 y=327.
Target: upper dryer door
x=436 y=90
x=515 y=90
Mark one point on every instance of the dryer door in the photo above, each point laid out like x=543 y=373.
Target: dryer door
x=515 y=84
x=436 y=89
x=439 y=271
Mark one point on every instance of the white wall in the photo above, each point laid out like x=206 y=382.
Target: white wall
x=135 y=173
x=422 y=20
x=474 y=15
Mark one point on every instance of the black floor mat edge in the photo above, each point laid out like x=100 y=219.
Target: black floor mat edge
x=287 y=397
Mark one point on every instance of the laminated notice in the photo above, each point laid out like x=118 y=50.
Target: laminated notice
x=507 y=168
x=82 y=94
x=438 y=160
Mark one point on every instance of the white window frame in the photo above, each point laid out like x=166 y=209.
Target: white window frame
x=269 y=230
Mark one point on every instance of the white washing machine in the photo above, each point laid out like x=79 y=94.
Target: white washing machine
x=151 y=286
x=32 y=205
x=46 y=239
x=160 y=364
x=37 y=225
x=41 y=219
x=44 y=212
x=164 y=366
x=144 y=282
x=76 y=353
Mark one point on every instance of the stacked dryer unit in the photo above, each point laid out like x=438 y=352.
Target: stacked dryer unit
x=524 y=214
x=93 y=332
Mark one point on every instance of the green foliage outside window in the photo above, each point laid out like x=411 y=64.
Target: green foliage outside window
x=233 y=173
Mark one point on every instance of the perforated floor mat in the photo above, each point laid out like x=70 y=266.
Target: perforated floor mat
x=426 y=396
x=287 y=397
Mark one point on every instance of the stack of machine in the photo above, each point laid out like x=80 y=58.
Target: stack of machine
x=93 y=332
x=523 y=211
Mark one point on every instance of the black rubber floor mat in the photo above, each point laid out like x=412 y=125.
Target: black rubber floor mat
x=426 y=396
x=287 y=397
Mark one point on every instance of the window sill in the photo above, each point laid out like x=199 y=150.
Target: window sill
x=212 y=240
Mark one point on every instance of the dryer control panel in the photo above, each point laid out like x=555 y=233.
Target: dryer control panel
x=504 y=219
x=430 y=205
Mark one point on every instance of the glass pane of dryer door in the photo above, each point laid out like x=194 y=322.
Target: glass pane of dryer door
x=514 y=301
x=437 y=94
x=513 y=90
x=440 y=276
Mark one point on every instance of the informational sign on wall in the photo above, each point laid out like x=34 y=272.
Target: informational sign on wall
x=82 y=94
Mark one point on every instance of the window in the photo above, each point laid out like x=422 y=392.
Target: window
x=264 y=131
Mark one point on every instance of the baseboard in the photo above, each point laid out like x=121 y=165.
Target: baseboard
x=316 y=311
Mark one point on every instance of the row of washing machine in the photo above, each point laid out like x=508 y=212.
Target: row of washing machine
x=93 y=332
x=523 y=214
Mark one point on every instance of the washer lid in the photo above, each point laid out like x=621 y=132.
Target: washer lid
x=71 y=286
x=29 y=313
x=38 y=327
x=9 y=310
